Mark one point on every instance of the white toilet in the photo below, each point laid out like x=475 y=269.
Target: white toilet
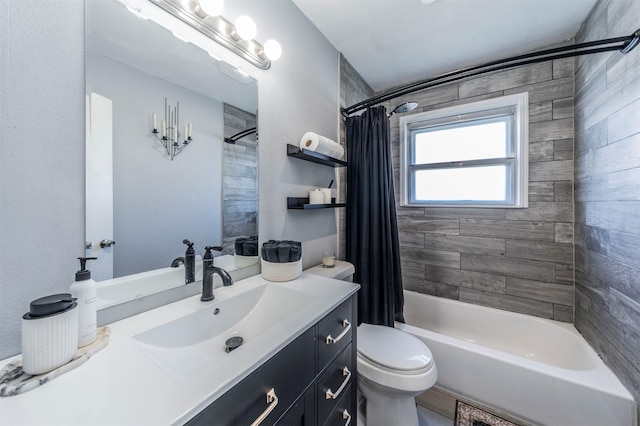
x=393 y=367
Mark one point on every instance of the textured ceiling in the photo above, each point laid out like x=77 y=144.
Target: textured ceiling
x=393 y=42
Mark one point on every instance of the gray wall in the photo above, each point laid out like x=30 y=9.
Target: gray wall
x=42 y=110
x=240 y=178
x=298 y=94
x=158 y=202
x=608 y=193
x=519 y=260
x=42 y=128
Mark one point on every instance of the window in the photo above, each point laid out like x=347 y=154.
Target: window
x=472 y=155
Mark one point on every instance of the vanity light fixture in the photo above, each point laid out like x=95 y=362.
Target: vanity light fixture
x=206 y=8
x=204 y=16
x=245 y=28
x=171 y=137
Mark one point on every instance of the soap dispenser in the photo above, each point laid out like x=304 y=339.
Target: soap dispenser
x=84 y=290
x=189 y=263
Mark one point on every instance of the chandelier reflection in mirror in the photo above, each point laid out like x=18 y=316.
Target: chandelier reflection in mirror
x=171 y=138
x=205 y=16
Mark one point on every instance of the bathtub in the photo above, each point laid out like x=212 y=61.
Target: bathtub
x=537 y=370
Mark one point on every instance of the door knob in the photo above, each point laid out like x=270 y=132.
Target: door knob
x=107 y=243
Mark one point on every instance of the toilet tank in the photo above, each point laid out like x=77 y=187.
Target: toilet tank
x=342 y=271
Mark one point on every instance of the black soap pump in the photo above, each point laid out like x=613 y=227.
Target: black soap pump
x=189 y=263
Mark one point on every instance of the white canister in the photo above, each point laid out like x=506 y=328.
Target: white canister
x=280 y=272
x=327 y=195
x=49 y=333
x=316 y=197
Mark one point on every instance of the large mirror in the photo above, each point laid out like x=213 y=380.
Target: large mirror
x=138 y=196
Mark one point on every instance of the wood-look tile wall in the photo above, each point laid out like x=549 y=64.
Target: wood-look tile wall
x=239 y=180
x=514 y=259
x=607 y=179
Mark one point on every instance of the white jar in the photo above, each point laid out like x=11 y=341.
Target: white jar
x=49 y=333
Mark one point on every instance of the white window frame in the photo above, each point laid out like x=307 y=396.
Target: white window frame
x=447 y=116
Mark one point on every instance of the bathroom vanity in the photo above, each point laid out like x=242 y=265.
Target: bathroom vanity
x=169 y=366
x=310 y=381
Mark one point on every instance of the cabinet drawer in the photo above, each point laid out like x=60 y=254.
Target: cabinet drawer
x=287 y=373
x=334 y=332
x=335 y=382
x=343 y=414
x=302 y=413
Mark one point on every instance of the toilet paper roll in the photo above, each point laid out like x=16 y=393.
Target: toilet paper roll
x=316 y=197
x=322 y=145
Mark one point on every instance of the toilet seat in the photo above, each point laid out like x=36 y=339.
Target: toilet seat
x=394 y=358
x=393 y=350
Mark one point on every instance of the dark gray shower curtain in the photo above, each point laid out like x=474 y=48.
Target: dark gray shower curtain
x=372 y=226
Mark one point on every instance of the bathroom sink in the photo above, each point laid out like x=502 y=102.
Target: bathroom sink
x=184 y=346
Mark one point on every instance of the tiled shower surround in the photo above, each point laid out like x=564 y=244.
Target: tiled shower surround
x=514 y=259
x=523 y=259
x=607 y=195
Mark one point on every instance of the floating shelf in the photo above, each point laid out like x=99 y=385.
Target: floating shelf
x=298 y=203
x=314 y=157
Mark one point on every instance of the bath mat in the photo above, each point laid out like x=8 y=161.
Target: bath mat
x=467 y=415
x=14 y=381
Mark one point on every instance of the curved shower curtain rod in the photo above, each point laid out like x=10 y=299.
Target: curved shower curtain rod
x=233 y=139
x=623 y=44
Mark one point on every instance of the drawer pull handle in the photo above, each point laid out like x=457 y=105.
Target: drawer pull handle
x=346 y=416
x=347 y=326
x=330 y=395
x=272 y=400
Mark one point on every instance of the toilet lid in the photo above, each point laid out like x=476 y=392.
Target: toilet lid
x=393 y=349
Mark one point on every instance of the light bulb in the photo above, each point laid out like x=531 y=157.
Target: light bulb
x=211 y=7
x=245 y=28
x=272 y=49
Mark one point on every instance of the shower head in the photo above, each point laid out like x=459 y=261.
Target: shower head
x=405 y=107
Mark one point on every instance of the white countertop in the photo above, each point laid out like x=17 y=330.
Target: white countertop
x=120 y=385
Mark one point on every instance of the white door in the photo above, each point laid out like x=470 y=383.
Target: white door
x=99 y=186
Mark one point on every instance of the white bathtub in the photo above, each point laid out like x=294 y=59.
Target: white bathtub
x=538 y=370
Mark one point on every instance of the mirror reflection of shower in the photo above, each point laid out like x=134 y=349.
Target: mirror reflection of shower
x=240 y=172
x=233 y=139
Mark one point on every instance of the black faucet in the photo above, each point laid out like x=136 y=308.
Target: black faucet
x=189 y=263
x=207 y=259
x=207 y=281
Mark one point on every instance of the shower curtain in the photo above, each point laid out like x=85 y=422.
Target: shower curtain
x=371 y=223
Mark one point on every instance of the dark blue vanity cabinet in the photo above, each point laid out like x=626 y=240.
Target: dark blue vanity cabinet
x=312 y=381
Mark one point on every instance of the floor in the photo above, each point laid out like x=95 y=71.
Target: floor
x=427 y=417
